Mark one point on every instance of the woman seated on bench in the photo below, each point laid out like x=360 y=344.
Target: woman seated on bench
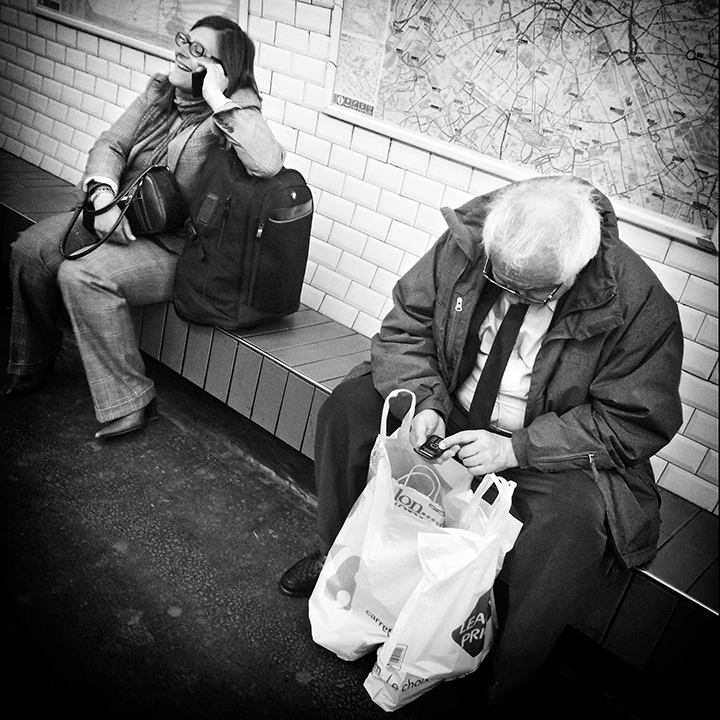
x=167 y=125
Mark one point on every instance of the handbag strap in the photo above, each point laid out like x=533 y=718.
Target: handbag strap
x=125 y=197
x=82 y=252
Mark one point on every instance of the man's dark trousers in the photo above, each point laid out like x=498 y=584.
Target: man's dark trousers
x=558 y=559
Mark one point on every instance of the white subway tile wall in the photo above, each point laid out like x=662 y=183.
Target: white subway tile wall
x=377 y=200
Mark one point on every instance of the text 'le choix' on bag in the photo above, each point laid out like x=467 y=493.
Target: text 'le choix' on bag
x=447 y=626
x=151 y=200
x=245 y=258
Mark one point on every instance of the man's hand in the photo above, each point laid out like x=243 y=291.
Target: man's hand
x=104 y=222
x=481 y=452
x=424 y=424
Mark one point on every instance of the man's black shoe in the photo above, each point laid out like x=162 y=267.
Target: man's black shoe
x=300 y=579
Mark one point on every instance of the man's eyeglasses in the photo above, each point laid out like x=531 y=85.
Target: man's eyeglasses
x=488 y=275
x=194 y=48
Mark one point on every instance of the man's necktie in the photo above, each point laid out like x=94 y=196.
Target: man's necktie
x=489 y=382
x=488 y=296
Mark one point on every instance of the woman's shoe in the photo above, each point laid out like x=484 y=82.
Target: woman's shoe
x=25 y=384
x=128 y=423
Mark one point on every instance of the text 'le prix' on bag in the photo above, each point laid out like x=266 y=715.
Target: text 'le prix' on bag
x=245 y=258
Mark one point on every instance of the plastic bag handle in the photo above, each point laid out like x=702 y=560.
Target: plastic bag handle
x=500 y=507
x=426 y=473
x=407 y=420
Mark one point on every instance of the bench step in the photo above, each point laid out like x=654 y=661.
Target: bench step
x=278 y=375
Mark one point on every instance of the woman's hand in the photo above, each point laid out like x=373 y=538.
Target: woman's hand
x=481 y=452
x=104 y=222
x=214 y=84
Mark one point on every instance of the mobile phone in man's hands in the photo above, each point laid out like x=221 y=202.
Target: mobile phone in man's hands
x=430 y=449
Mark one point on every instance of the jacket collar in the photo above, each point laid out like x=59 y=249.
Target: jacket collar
x=590 y=307
x=466 y=225
x=593 y=305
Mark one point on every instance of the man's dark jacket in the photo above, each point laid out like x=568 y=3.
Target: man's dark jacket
x=604 y=391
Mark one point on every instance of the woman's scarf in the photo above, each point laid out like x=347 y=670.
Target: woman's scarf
x=169 y=112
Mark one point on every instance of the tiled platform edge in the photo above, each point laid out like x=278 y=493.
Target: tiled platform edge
x=661 y=619
x=277 y=375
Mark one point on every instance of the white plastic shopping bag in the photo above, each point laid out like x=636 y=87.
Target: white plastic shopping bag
x=446 y=627
x=373 y=566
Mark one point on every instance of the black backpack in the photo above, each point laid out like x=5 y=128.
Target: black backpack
x=248 y=238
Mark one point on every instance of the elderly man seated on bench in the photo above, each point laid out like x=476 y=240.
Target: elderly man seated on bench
x=588 y=394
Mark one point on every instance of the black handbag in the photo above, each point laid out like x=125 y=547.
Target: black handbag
x=151 y=201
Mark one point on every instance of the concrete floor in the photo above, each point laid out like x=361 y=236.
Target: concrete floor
x=140 y=574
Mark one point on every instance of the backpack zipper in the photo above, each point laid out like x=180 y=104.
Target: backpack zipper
x=223 y=222
x=267 y=201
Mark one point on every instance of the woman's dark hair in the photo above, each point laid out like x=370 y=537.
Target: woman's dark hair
x=236 y=50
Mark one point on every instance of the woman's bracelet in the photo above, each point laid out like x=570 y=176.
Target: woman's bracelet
x=101 y=189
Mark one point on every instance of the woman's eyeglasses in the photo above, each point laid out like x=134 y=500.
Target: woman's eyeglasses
x=194 y=48
x=488 y=275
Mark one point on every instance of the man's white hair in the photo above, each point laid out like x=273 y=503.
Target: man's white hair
x=551 y=222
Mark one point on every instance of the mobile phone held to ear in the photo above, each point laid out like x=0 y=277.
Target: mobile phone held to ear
x=198 y=77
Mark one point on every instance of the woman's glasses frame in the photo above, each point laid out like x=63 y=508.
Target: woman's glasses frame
x=194 y=48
